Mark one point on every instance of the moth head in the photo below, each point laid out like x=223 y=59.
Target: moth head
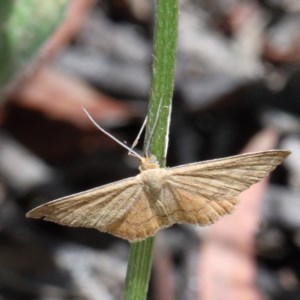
x=148 y=162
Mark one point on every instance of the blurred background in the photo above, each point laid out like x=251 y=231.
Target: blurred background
x=237 y=90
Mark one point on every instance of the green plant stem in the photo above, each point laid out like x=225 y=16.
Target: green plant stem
x=157 y=131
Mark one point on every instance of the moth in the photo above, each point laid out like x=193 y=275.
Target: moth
x=137 y=207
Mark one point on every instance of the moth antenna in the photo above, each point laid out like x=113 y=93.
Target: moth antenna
x=139 y=135
x=131 y=152
x=153 y=129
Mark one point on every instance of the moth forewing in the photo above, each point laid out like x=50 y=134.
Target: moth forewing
x=227 y=177
x=207 y=190
x=96 y=207
x=263 y=158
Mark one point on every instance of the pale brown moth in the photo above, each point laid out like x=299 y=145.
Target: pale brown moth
x=137 y=207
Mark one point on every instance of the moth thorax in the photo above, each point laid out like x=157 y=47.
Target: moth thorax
x=148 y=163
x=153 y=181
